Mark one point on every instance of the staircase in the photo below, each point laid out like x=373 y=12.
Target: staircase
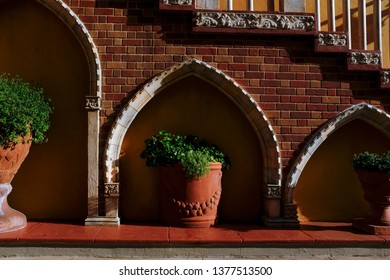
x=356 y=28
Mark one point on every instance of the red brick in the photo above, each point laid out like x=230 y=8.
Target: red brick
x=316 y=92
x=116 y=96
x=331 y=99
x=116 y=19
x=317 y=107
x=300 y=84
x=270 y=83
x=104 y=11
x=330 y=84
x=283 y=106
x=89 y=19
x=269 y=52
x=300 y=99
x=238 y=51
x=116 y=81
x=285 y=76
x=300 y=115
x=238 y=67
x=116 y=65
x=288 y=91
x=206 y=51
x=116 y=49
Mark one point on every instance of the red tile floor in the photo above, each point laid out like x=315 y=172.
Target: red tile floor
x=309 y=235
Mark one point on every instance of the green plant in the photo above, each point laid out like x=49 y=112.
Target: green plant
x=166 y=149
x=196 y=164
x=23 y=112
x=372 y=161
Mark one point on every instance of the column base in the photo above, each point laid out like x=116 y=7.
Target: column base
x=102 y=221
x=280 y=222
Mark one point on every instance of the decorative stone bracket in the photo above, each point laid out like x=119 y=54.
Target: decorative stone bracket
x=386 y=77
x=273 y=191
x=111 y=190
x=331 y=42
x=93 y=103
x=364 y=60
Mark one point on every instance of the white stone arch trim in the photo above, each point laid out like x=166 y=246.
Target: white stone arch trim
x=215 y=77
x=363 y=111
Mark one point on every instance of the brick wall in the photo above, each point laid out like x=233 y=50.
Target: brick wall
x=297 y=88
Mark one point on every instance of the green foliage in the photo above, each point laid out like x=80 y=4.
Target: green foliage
x=372 y=161
x=23 y=110
x=166 y=149
x=196 y=164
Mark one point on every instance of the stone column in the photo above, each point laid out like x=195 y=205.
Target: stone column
x=295 y=6
x=93 y=105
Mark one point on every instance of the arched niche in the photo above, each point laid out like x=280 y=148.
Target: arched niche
x=322 y=182
x=230 y=90
x=45 y=42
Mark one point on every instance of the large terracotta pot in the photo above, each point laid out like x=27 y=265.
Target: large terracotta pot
x=10 y=161
x=376 y=189
x=188 y=202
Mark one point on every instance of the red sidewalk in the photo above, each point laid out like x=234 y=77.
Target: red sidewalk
x=56 y=232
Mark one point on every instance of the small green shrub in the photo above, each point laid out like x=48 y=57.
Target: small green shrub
x=195 y=164
x=166 y=149
x=23 y=110
x=372 y=161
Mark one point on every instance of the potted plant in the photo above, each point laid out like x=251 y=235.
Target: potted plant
x=191 y=172
x=24 y=119
x=373 y=171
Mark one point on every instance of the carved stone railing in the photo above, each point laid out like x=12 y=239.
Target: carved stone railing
x=253 y=22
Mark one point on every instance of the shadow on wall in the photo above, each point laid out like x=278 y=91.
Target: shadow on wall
x=328 y=188
x=192 y=106
x=36 y=45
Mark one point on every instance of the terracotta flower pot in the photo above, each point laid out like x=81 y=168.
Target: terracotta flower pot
x=10 y=161
x=188 y=202
x=376 y=189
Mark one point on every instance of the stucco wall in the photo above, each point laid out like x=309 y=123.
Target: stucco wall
x=328 y=189
x=37 y=45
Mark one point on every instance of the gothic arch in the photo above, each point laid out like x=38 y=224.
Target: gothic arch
x=243 y=100
x=93 y=97
x=363 y=111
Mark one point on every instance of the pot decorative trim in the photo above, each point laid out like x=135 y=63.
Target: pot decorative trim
x=10 y=162
x=190 y=202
